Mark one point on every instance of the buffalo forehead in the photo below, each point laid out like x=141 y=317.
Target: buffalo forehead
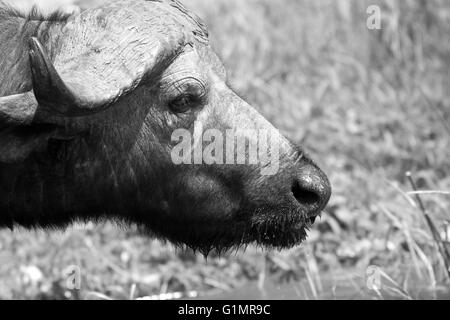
x=116 y=47
x=122 y=24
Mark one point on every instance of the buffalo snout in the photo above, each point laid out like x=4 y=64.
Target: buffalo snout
x=311 y=189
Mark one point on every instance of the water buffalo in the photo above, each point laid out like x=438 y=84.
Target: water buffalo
x=89 y=103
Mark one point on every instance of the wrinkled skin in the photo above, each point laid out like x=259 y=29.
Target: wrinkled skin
x=114 y=162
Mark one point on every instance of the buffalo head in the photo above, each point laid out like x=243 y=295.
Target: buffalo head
x=124 y=104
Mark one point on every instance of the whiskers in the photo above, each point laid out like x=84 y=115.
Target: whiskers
x=265 y=227
x=280 y=229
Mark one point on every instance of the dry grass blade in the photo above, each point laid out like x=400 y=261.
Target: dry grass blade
x=432 y=192
x=132 y=291
x=409 y=239
x=434 y=231
x=171 y=296
x=436 y=110
x=97 y=296
x=397 y=289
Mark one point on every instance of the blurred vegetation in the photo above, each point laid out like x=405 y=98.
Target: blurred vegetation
x=369 y=105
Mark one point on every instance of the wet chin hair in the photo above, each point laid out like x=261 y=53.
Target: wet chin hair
x=266 y=227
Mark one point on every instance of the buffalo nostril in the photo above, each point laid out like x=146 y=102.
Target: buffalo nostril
x=304 y=195
x=311 y=189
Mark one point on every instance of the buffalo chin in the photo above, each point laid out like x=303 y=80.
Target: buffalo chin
x=266 y=228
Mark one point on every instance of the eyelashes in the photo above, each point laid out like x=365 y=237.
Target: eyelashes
x=187 y=94
x=185 y=102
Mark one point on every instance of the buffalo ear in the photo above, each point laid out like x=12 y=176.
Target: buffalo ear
x=17 y=110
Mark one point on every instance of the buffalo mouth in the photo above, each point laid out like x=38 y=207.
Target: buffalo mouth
x=280 y=229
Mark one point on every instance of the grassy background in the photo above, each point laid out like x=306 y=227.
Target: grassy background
x=368 y=105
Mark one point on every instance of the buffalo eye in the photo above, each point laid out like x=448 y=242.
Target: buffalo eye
x=186 y=94
x=184 y=103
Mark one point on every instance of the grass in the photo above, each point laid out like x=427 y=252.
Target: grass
x=369 y=105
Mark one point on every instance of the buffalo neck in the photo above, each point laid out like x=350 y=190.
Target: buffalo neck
x=16 y=206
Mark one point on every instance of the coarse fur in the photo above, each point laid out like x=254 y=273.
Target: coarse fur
x=33 y=14
x=93 y=152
